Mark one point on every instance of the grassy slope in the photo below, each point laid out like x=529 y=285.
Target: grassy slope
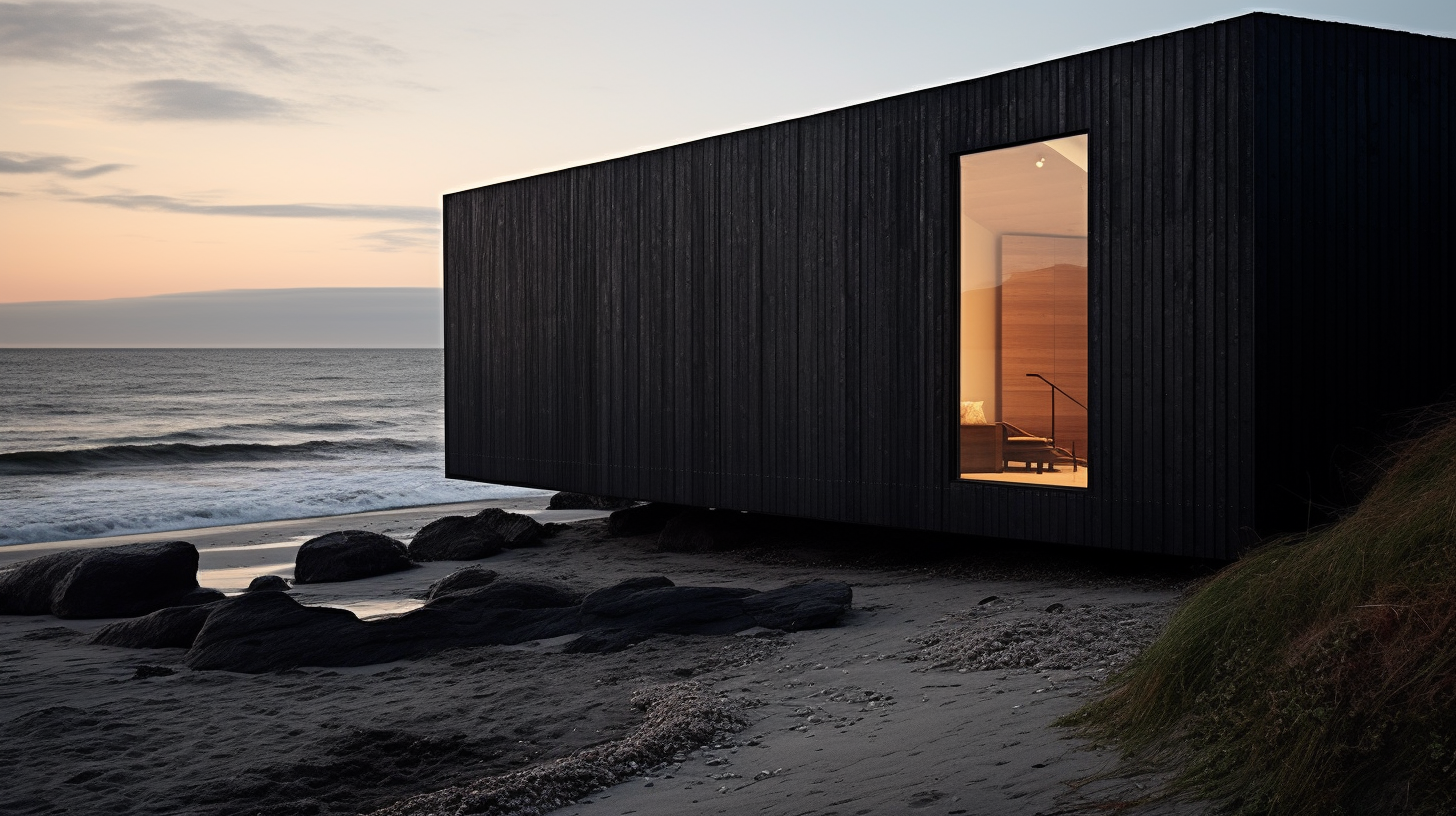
x=1316 y=675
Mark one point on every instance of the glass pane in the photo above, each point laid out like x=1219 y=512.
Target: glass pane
x=1023 y=328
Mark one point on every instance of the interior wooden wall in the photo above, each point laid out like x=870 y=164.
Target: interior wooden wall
x=1044 y=331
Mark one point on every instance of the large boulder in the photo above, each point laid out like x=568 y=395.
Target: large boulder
x=106 y=582
x=516 y=529
x=656 y=605
x=349 y=555
x=647 y=605
x=810 y=605
x=509 y=594
x=455 y=538
x=585 y=501
x=644 y=519
x=269 y=631
x=174 y=627
x=610 y=597
x=461 y=579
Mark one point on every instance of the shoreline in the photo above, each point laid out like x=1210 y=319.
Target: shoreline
x=229 y=556
x=254 y=533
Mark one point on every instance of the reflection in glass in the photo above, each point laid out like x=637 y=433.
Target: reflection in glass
x=1023 y=328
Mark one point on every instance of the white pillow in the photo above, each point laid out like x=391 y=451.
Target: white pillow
x=973 y=414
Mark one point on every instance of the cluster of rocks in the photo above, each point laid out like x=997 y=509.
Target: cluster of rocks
x=1000 y=634
x=136 y=579
x=348 y=555
x=677 y=717
x=155 y=585
x=269 y=631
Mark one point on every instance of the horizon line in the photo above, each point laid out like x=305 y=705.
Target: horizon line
x=210 y=292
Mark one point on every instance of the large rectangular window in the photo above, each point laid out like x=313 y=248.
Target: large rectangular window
x=1023 y=327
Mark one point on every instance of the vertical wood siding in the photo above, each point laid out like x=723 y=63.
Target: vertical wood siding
x=767 y=320
x=1356 y=280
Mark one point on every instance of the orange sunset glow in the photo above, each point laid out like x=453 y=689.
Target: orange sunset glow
x=151 y=148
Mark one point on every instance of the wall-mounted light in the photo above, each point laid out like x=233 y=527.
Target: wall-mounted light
x=1040 y=160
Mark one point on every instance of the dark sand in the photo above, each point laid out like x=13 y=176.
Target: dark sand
x=921 y=701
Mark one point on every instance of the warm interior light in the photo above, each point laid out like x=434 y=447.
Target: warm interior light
x=1040 y=160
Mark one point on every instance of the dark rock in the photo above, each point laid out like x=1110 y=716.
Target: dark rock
x=198 y=597
x=143 y=672
x=468 y=619
x=172 y=628
x=1056 y=607
x=812 y=605
x=605 y=641
x=105 y=582
x=674 y=609
x=517 y=530
x=644 y=519
x=463 y=578
x=455 y=538
x=551 y=529
x=270 y=631
x=698 y=531
x=347 y=556
x=585 y=501
x=610 y=597
x=269 y=583
x=508 y=594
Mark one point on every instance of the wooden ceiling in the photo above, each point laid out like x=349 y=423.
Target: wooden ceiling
x=1005 y=192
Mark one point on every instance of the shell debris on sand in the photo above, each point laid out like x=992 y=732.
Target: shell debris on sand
x=999 y=634
x=677 y=717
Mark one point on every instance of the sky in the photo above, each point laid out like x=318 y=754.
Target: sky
x=165 y=147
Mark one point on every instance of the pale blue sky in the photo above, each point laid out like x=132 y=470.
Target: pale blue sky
x=154 y=147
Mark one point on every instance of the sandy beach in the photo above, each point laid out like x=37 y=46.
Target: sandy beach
x=935 y=694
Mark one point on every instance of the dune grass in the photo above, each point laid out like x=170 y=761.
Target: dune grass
x=1318 y=674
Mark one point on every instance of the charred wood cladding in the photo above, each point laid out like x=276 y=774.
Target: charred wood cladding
x=1154 y=297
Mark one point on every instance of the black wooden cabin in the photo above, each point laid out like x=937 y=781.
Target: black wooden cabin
x=771 y=320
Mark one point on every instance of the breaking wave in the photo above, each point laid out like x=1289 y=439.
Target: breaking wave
x=181 y=453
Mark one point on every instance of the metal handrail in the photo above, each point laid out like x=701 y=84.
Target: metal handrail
x=1055 y=389
x=1054 y=385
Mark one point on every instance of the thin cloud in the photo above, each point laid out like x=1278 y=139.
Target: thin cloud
x=371 y=212
x=146 y=37
x=20 y=163
x=402 y=239
x=187 y=99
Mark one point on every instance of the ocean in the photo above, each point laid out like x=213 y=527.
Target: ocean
x=97 y=442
